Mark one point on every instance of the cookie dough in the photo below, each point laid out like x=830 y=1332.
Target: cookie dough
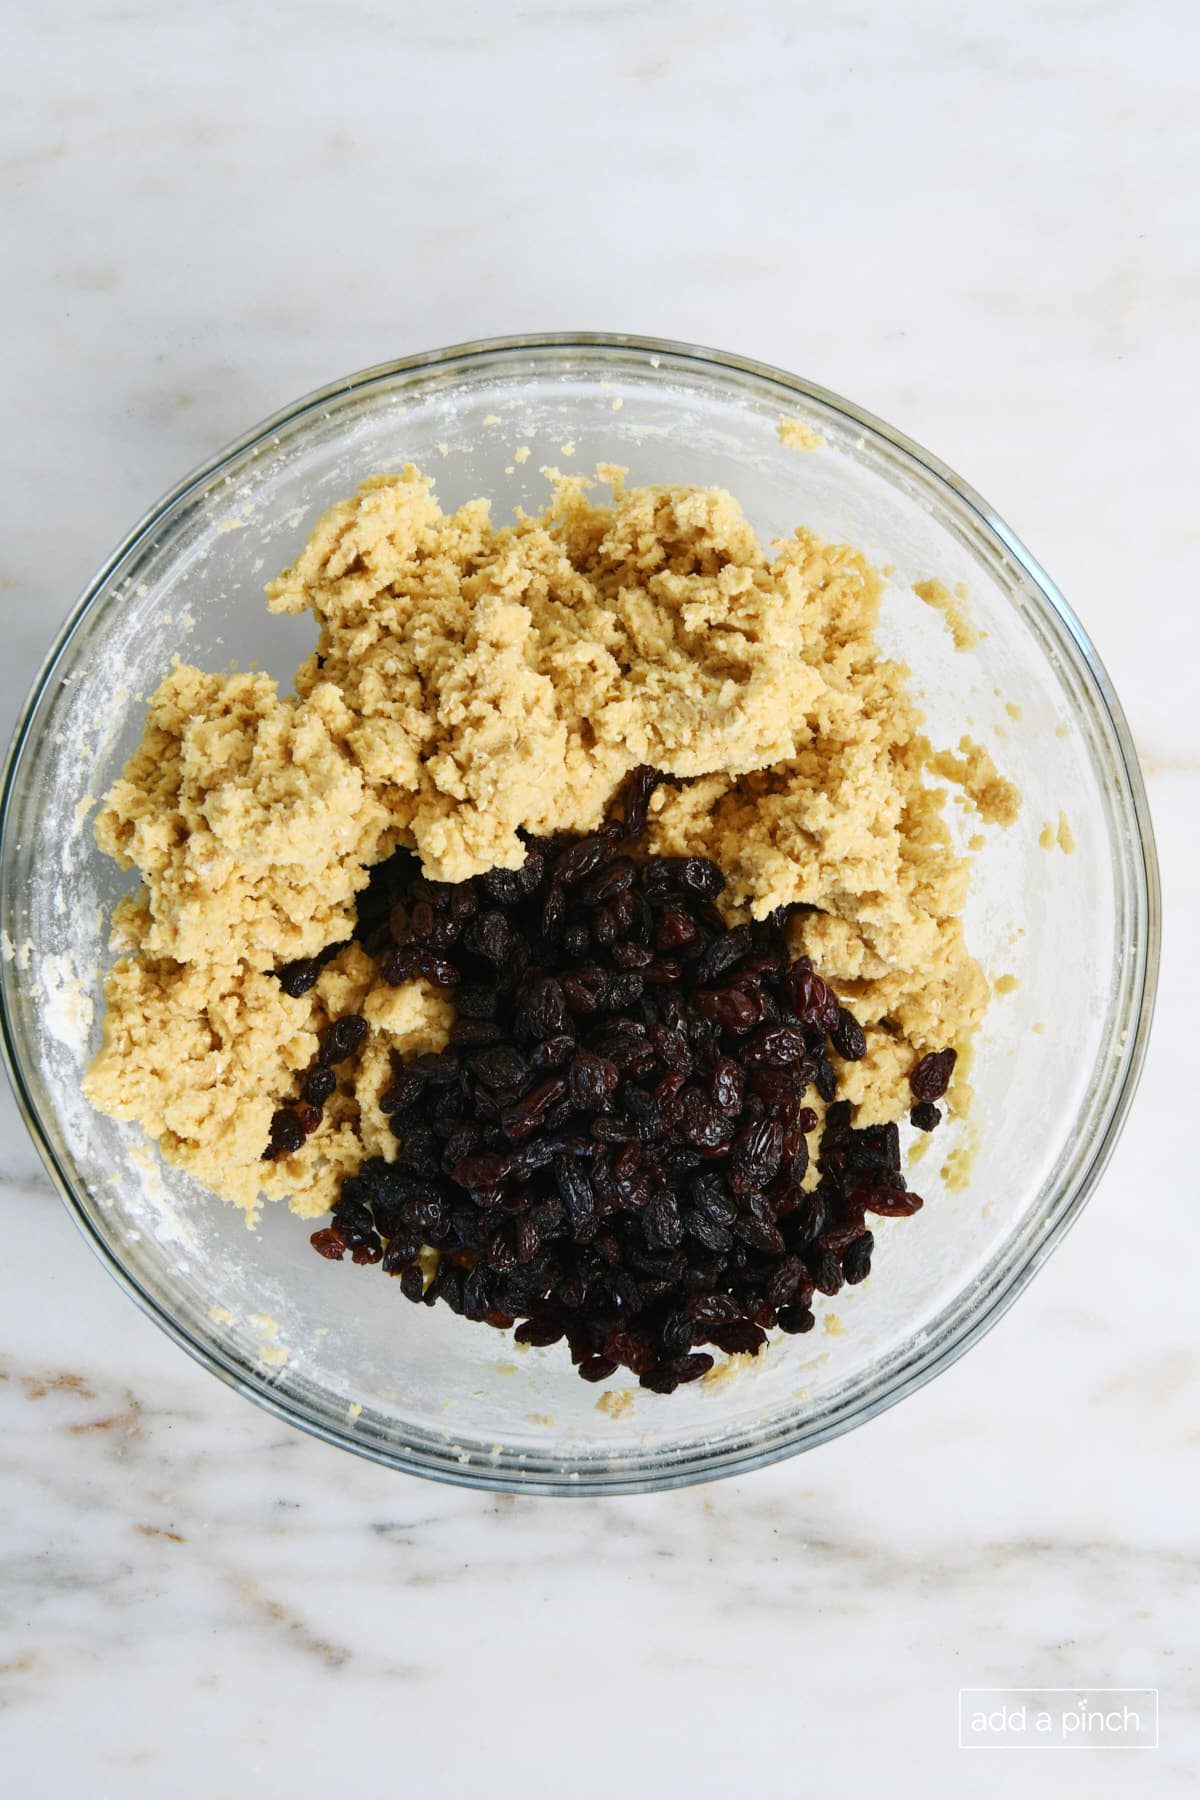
x=469 y=681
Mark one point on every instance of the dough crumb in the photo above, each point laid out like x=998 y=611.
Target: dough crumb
x=936 y=594
x=521 y=455
x=729 y=1368
x=1058 y=835
x=1012 y=709
x=618 y=1403
x=833 y=1324
x=797 y=435
x=1006 y=984
x=956 y=1169
x=996 y=800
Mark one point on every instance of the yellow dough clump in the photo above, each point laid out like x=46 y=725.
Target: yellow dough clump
x=470 y=682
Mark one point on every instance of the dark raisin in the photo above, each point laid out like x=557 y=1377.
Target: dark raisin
x=931 y=1077
x=507 y=887
x=597 y=1368
x=724 y=952
x=727 y=1086
x=635 y=1353
x=825 y=1267
x=674 y=928
x=592 y=1079
x=848 y=1037
x=475 y=1034
x=692 y=1366
x=476 y=1000
x=825 y=1080
x=780 y=1045
x=412 y=1282
x=503 y=1069
x=298 y=977
x=580 y=859
x=856 y=1259
x=755 y=1156
x=808 y=997
x=525 y=1115
x=287 y=1132
x=926 y=1116
x=730 y=1008
x=490 y=936
x=318 y=1085
x=741 y=1337
x=639 y=786
x=341 y=1039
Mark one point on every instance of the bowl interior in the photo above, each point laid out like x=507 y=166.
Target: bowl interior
x=335 y=1346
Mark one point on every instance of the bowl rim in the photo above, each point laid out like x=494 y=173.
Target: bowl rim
x=681 y=1467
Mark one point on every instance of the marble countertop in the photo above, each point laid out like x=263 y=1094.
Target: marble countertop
x=979 y=222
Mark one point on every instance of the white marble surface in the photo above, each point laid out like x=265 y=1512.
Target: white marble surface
x=977 y=220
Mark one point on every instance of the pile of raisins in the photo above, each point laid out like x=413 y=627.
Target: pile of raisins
x=613 y=1147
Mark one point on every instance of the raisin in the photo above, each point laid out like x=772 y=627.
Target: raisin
x=856 y=1259
x=287 y=1132
x=730 y=1008
x=780 y=1045
x=330 y=1243
x=755 y=1156
x=597 y=1368
x=890 y=1202
x=341 y=1039
x=640 y=785
x=475 y=1034
x=808 y=997
x=825 y=1079
x=508 y=887
x=741 y=1337
x=848 y=1037
x=931 y=1077
x=318 y=1085
x=298 y=977
x=412 y=1282
x=503 y=1069
x=926 y=1116
x=727 y=1086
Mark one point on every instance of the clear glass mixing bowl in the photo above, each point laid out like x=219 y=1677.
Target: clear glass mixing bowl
x=334 y=1349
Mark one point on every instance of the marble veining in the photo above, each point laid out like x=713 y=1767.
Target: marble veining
x=978 y=222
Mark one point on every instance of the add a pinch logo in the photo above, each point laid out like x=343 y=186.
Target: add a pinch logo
x=1058 y=1718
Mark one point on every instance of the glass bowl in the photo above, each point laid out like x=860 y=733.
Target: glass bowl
x=334 y=1349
